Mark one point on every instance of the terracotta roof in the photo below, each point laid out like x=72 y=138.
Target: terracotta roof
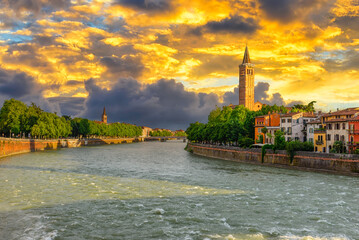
x=314 y=122
x=347 y=111
x=289 y=114
x=338 y=120
x=309 y=115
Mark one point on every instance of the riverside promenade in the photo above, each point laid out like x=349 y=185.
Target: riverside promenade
x=345 y=164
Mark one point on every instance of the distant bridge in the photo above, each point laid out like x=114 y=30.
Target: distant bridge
x=164 y=139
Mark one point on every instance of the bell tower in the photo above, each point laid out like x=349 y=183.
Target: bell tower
x=104 y=115
x=246 y=82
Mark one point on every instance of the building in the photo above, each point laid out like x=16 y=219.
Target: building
x=335 y=127
x=294 y=125
x=353 y=130
x=271 y=122
x=104 y=116
x=311 y=126
x=146 y=131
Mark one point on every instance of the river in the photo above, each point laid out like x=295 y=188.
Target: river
x=155 y=190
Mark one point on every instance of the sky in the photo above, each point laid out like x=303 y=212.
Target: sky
x=166 y=63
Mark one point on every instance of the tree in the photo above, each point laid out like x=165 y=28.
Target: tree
x=279 y=140
x=10 y=116
x=338 y=147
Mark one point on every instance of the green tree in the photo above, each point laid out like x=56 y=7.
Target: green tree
x=279 y=140
x=10 y=116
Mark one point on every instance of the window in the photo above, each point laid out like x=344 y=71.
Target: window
x=289 y=130
x=316 y=149
x=289 y=120
x=311 y=140
x=283 y=120
x=342 y=138
x=298 y=120
x=343 y=126
x=282 y=129
x=330 y=126
x=336 y=137
x=311 y=130
x=289 y=139
x=323 y=149
x=296 y=138
x=329 y=137
x=337 y=126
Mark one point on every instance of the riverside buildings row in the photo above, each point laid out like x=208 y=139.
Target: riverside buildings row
x=322 y=129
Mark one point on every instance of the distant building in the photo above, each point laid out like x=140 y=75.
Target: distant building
x=104 y=116
x=146 y=131
x=353 y=130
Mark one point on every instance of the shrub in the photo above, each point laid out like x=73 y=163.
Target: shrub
x=245 y=142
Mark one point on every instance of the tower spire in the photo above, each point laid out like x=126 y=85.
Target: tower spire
x=246 y=58
x=104 y=111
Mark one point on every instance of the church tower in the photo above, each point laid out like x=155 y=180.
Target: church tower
x=246 y=82
x=104 y=116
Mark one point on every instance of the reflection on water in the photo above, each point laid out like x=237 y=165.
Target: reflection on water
x=159 y=191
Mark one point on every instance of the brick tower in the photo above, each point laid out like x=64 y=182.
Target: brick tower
x=246 y=82
x=104 y=115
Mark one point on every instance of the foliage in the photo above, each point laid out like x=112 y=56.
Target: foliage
x=229 y=126
x=264 y=148
x=16 y=117
x=338 y=147
x=264 y=130
x=10 y=116
x=356 y=151
x=294 y=146
x=260 y=139
x=279 y=140
x=304 y=108
x=180 y=134
x=159 y=133
x=245 y=142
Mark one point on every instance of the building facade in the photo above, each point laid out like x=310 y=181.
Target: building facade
x=353 y=130
x=271 y=122
x=294 y=125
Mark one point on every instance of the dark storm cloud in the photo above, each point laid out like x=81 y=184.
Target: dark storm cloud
x=16 y=84
x=233 y=24
x=146 y=5
x=260 y=95
x=19 y=85
x=124 y=67
x=162 y=104
x=349 y=61
x=288 y=10
x=35 y=6
x=70 y=106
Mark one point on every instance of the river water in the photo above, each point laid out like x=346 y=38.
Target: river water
x=156 y=190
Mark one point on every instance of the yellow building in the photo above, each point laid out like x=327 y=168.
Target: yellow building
x=320 y=141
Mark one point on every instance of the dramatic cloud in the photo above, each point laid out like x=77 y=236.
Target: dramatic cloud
x=260 y=95
x=234 y=24
x=147 y=5
x=305 y=49
x=162 y=104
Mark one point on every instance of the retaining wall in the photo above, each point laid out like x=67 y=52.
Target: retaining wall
x=10 y=146
x=322 y=162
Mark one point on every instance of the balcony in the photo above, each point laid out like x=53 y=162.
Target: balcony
x=319 y=131
x=353 y=132
x=353 y=143
x=319 y=142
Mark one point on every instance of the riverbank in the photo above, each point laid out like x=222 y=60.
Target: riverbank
x=11 y=146
x=308 y=161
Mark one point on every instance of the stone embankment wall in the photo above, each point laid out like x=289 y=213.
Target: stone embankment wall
x=10 y=146
x=321 y=162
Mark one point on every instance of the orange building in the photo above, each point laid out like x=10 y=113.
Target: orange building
x=271 y=122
